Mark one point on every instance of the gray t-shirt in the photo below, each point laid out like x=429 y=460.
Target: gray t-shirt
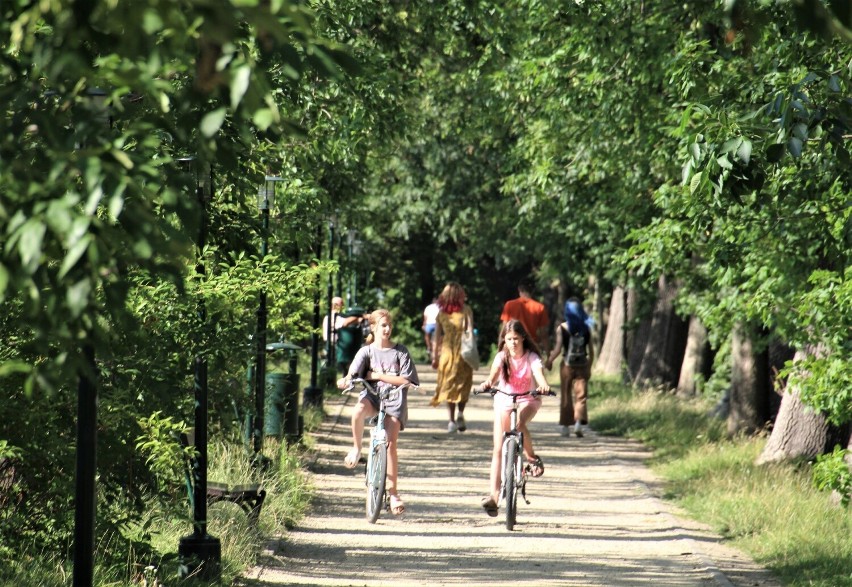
x=395 y=360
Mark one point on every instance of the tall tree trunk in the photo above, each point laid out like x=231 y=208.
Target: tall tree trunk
x=749 y=405
x=637 y=338
x=799 y=431
x=610 y=360
x=666 y=342
x=696 y=358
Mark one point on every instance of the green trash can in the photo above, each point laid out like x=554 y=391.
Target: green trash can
x=349 y=340
x=274 y=405
x=281 y=414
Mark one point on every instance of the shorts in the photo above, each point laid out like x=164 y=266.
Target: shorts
x=398 y=408
x=503 y=403
x=430 y=329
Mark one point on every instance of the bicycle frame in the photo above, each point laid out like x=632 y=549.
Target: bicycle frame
x=513 y=474
x=375 y=473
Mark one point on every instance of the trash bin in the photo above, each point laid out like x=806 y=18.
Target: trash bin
x=281 y=409
x=349 y=340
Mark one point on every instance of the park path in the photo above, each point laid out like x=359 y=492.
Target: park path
x=595 y=518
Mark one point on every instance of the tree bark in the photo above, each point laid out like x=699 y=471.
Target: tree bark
x=611 y=358
x=696 y=359
x=666 y=341
x=749 y=397
x=799 y=431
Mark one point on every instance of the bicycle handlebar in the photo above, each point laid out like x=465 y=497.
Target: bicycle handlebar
x=358 y=382
x=495 y=390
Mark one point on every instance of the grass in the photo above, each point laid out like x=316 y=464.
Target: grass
x=772 y=512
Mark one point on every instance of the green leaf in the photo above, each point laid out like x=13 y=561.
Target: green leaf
x=794 y=145
x=774 y=153
x=263 y=118
x=800 y=131
x=239 y=84
x=122 y=158
x=724 y=163
x=77 y=297
x=4 y=282
x=74 y=253
x=212 y=122
x=29 y=246
x=744 y=152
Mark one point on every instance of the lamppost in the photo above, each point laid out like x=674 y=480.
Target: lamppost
x=265 y=201
x=329 y=333
x=354 y=250
x=199 y=552
x=312 y=395
x=85 y=491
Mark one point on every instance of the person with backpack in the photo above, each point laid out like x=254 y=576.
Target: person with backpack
x=574 y=342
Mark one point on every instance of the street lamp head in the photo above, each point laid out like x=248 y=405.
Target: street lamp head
x=266 y=193
x=200 y=174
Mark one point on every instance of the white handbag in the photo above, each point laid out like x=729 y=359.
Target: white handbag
x=469 y=352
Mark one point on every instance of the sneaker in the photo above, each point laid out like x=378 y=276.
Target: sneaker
x=460 y=423
x=578 y=430
x=565 y=430
x=451 y=427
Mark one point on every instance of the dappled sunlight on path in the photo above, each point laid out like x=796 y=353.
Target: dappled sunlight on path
x=593 y=520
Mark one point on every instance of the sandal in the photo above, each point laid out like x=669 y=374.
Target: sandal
x=396 y=505
x=535 y=467
x=490 y=506
x=353 y=457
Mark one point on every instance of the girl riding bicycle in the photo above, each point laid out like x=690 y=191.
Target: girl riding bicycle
x=515 y=369
x=389 y=365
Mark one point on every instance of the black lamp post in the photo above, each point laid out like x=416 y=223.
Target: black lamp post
x=312 y=395
x=329 y=332
x=265 y=201
x=199 y=552
x=354 y=250
x=87 y=425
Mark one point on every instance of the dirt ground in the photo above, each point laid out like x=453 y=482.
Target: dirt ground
x=595 y=518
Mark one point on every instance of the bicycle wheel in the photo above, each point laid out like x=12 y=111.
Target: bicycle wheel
x=511 y=455
x=377 y=470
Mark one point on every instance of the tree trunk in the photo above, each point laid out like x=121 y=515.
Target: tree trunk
x=663 y=353
x=696 y=359
x=611 y=358
x=749 y=405
x=799 y=431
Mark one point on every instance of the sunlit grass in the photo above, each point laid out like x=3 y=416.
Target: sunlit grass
x=771 y=512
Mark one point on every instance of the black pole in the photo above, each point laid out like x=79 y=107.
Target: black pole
x=260 y=351
x=312 y=396
x=200 y=552
x=87 y=439
x=329 y=333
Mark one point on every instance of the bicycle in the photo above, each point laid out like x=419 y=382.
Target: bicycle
x=375 y=473
x=513 y=471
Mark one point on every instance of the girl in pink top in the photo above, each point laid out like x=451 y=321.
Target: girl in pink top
x=517 y=368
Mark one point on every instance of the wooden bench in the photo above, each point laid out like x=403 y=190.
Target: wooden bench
x=249 y=497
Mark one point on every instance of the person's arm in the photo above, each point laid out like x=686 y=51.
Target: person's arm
x=493 y=375
x=591 y=348
x=557 y=347
x=540 y=379
x=436 y=344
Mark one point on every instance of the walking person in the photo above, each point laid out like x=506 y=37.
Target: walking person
x=574 y=341
x=531 y=313
x=515 y=369
x=388 y=365
x=455 y=376
x=430 y=323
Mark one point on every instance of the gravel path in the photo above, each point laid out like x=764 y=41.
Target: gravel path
x=595 y=518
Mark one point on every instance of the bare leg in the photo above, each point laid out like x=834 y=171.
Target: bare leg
x=501 y=423
x=363 y=410
x=451 y=407
x=392 y=428
x=525 y=415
